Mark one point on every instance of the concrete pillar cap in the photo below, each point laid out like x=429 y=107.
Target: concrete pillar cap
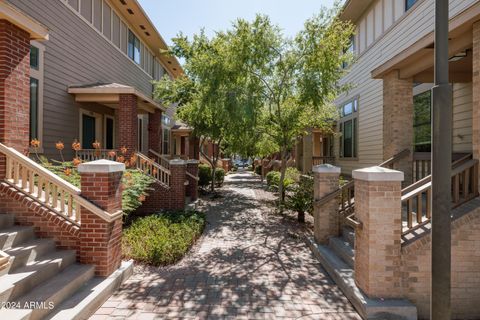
x=193 y=161
x=101 y=166
x=377 y=174
x=326 y=168
x=177 y=162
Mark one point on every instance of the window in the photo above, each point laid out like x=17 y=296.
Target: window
x=86 y=9
x=348 y=127
x=349 y=50
x=133 y=47
x=107 y=21
x=166 y=141
x=422 y=130
x=409 y=4
x=33 y=108
x=36 y=90
x=109 y=132
x=34 y=57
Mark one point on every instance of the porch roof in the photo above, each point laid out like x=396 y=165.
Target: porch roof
x=109 y=94
x=10 y=13
x=181 y=127
x=417 y=60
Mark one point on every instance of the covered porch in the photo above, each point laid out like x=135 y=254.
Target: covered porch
x=116 y=117
x=313 y=148
x=407 y=82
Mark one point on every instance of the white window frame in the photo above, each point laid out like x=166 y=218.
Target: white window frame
x=98 y=125
x=39 y=75
x=105 y=130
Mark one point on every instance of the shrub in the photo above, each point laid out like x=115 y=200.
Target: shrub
x=258 y=170
x=163 y=238
x=300 y=199
x=204 y=175
x=136 y=184
x=219 y=177
x=270 y=177
x=292 y=176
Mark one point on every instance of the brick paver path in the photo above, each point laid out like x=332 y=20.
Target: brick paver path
x=250 y=264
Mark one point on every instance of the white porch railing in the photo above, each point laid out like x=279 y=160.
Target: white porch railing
x=153 y=169
x=58 y=195
x=96 y=154
x=162 y=159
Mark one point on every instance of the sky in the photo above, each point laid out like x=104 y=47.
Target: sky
x=189 y=16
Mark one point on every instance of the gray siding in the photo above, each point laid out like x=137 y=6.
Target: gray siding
x=409 y=28
x=75 y=54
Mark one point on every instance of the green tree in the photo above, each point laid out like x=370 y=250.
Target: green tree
x=296 y=79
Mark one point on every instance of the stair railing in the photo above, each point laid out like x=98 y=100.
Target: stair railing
x=346 y=194
x=153 y=169
x=50 y=190
x=161 y=159
x=416 y=198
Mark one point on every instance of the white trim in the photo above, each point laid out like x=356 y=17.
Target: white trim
x=98 y=124
x=104 y=141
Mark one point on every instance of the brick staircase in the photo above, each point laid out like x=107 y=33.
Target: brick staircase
x=37 y=273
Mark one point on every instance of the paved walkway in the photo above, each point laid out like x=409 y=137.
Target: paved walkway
x=250 y=264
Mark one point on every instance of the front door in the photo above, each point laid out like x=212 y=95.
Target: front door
x=109 y=133
x=88 y=131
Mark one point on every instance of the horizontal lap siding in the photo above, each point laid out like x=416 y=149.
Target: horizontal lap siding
x=75 y=54
x=462 y=117
x=410 y=29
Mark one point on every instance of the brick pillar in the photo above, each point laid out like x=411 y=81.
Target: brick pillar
x=325 y=217
x=307 y=152
x=178 y=168
x=378 y=208
x=14 y=89
x=128 y=124
x=398 y=121
x=100 y=240
x=155 y=131
x=192 y=168
x=476 y=92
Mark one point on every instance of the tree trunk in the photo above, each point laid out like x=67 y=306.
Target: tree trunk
x=283 y=169
x=301 y=217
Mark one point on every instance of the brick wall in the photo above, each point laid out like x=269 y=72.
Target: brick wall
x=128 y=123
x=416 y=264
x=14 y=88
x=398 y=121
x=171 y=198
x=155 y=131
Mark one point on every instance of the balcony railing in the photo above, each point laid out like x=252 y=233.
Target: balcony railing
x=87 y=155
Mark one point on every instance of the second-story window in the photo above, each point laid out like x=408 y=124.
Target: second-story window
x=134 y=47
x=350 y=50
x=348 y=128
x=409 y=4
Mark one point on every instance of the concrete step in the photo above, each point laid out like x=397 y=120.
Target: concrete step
x=92 y=295
x=348 y=234
x=343 y=249
x=44 y=298
x=344 y=277
x=6 y=220
x=24 y=279
x=28 y=252
x=15 y=235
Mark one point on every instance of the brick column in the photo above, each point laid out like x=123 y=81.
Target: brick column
x=398 y=121
x=326 y=179
x=177 y=184
x=378 y=242
x=100 y=240
x=307 y=152
x=14 y=89
x=128 y=124
x=192 y=168
x=155 y=131
x=476 y=92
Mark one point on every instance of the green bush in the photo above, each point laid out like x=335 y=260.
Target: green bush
x=204 y=175
x=300 y=199
x=269 y=177
x=136 y=184
x=219 y=177
x=162 y=239
x=292 y=176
